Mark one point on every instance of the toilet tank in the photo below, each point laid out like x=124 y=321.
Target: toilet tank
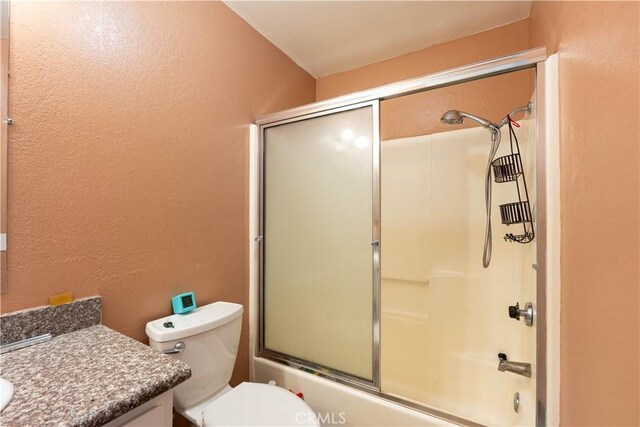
x=210 y=335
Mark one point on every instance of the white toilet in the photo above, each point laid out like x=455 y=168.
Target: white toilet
x=207 y=340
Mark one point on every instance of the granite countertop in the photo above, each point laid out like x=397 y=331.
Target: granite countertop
x=85 y=378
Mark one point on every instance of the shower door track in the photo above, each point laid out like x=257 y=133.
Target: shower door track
x=527 y=59
x=478 y=70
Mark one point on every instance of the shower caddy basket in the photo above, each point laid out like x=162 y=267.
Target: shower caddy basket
x=509 y=169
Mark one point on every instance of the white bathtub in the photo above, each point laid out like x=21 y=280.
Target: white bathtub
x=337 y=404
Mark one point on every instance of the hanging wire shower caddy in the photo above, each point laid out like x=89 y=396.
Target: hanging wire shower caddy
x=509 y=169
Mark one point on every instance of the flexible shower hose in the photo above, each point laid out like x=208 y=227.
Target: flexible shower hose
x=495 y=143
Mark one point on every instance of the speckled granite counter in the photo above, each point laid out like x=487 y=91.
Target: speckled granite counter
x=85 y=378
x=54 y=320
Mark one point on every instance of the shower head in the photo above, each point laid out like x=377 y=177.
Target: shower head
x=452 y=117
x=455 y=117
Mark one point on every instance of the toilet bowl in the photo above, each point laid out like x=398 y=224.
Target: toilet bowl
x=207 y=340
x=253 y=404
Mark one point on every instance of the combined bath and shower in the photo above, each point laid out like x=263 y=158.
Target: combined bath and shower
x=456 y=117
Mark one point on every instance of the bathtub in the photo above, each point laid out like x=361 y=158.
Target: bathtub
x=337 y=404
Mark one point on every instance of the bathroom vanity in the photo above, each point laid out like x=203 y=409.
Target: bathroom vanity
x=89 y=377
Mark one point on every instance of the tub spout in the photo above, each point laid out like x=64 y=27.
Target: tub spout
x=519 y=368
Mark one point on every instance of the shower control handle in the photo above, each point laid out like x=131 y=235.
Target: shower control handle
x=515 y=312
x=520 y=368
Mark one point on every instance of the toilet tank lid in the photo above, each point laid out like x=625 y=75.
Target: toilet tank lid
x=200 y=320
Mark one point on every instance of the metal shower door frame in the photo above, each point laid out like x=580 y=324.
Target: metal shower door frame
x=527 y=59
x=262 y=351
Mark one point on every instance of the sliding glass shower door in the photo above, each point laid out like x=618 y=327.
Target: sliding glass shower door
x=320 y=240
x=427 y=326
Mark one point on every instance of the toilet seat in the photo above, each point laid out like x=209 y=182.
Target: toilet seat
x=254 y=404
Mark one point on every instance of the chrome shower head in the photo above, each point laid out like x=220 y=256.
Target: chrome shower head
x=452 y=117
x=455 y=117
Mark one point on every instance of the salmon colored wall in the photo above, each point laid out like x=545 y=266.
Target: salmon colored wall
x=598 y=45
x=129 y=156
x=412 y=115
x=128 y=164
x=478 y=47
x=419 y=113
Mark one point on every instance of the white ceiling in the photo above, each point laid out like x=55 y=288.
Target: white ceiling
x=326 y=37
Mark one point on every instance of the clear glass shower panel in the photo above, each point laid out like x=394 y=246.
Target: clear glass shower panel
x=318 y=264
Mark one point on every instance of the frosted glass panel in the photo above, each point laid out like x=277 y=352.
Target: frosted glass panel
x=318 y=230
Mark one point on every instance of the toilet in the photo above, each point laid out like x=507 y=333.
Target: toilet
x=207 y=340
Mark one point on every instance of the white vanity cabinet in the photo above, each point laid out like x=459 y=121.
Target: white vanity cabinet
x=158 y=412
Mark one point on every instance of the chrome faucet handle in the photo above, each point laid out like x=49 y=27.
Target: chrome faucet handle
x=519 y=368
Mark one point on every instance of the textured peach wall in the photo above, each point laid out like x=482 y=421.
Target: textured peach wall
x=598 y=45
x=413 y=115
x=419 y=113
x=478 y=47
x=128 y=159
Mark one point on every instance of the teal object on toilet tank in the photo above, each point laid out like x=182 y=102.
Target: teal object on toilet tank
x=183 y=303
